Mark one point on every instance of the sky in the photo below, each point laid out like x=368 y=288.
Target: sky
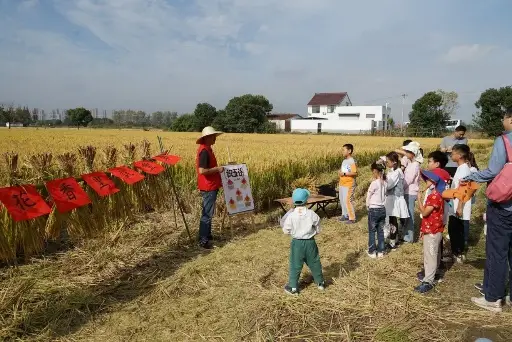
x=172 y=54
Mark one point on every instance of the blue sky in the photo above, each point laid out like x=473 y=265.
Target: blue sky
x=172 y=54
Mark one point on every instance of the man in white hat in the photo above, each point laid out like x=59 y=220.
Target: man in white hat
x=208 y=181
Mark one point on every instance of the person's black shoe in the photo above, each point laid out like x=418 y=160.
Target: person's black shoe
x=207 y=245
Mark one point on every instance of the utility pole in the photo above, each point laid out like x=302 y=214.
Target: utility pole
x=403 y=103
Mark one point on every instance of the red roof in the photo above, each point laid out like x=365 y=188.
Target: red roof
x=326 y=99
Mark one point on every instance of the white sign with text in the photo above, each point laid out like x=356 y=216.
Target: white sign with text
x=237 y=189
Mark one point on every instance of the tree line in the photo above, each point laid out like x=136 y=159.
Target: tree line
x=430 y=111
x=248 y=114
x=242 y=114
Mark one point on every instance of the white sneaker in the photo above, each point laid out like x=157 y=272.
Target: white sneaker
x=372 y=255
x=490 y=306
x=458 y=259
x=380 y=255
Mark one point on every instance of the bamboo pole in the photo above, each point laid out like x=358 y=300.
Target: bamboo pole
x=171 y=178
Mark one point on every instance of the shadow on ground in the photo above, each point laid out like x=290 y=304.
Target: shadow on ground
x=68 y=309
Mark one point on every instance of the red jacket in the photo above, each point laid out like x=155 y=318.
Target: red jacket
x=208 y=182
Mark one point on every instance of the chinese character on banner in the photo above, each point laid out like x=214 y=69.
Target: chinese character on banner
x=149 y=167
x=23 y=202
x=100 y=183
x=67 y=194
x=126 y=174
x=167 y=159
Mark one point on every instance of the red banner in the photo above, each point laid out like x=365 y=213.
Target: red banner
x=24 y=202
x=67 y=194
x=127 y=175
x=149 y=167
x=167 y=159
x=100 y=183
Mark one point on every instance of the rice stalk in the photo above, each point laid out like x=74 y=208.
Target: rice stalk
x=88 y=154
x=129 y=153
x=67 y=163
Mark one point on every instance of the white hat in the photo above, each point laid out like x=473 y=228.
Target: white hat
x=208 y=130
x=414 y=148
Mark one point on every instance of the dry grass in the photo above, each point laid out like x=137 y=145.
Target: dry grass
x=142 y=282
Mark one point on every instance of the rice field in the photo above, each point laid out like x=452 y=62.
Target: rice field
x=141 y=281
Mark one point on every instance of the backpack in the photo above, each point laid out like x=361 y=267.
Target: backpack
x=500 y=189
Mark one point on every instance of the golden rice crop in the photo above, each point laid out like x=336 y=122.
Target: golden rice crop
x=34 y=156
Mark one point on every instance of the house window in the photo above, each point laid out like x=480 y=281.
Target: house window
x=330 y=108
x=315 y=109
x=349 y=116
x=370 y=116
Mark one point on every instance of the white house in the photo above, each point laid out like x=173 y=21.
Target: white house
x=334 y=113
x=282 y=120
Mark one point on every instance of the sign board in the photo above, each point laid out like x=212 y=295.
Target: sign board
x=237 y=189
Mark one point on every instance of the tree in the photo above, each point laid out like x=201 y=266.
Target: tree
x=157 y=119
x=391 y=123
x=428 y=114
x=185 y=123
x=205 y=113
x=169 y=118
x=491 y=104
x=22 y=115
x=7 y=114
x=118 y=116
x=80 y=116
x=450 y=101
x=244 y=114
x=141 y=118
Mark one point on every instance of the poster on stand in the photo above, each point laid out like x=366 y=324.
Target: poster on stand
x=237 y=189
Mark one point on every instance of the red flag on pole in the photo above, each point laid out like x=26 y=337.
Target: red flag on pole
x=127 y=175
x=23 y=202
x=167 y=159
x=67 y=194
x=100 y=183
x=149 y=167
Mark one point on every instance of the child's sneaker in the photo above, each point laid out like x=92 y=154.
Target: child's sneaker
x=321 y=286
x=380 y=255
x=291 y=290
x=424 y=287
x=372 y=255
x=458 y=259
x=392 y=246
x=438 y=277
x=343 y=218
x=350 y=221
x=484 y=304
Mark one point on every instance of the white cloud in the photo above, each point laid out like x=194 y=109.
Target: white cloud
x=467 y=53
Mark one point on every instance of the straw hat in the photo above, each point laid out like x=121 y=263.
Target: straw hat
x=208 y=130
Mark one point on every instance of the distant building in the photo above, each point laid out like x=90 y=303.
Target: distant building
x=283 y=120
x=13 y=124
x=334 y=113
